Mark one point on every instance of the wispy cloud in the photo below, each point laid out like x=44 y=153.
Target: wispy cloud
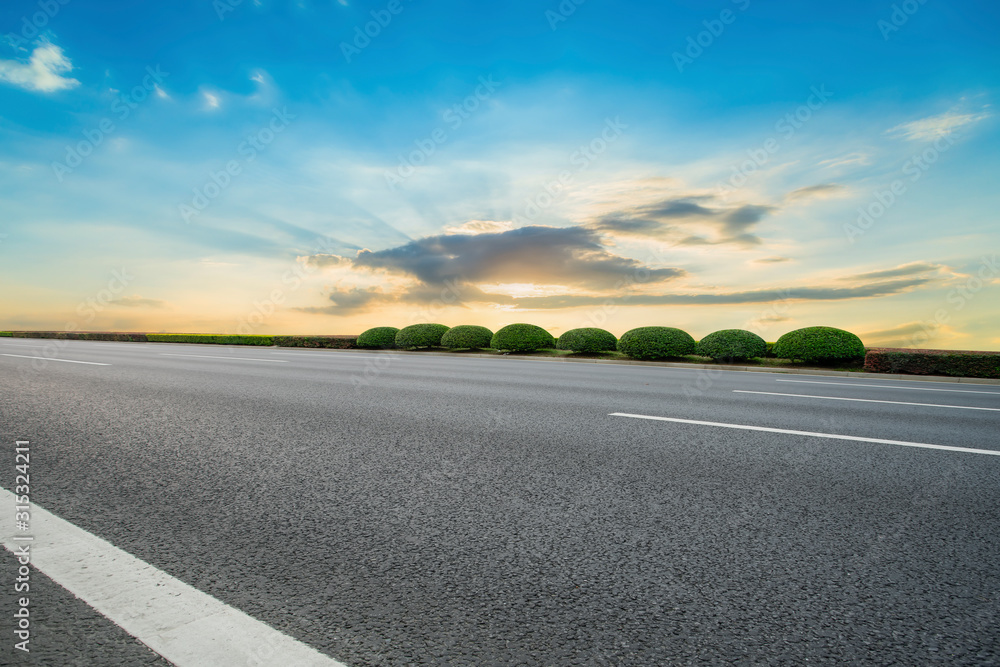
x=934 y=127
x=911 y=269
x=43 y=72
x=136 y=301
x=821 y=191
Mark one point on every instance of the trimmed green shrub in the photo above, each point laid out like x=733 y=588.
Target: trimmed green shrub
x=7 y=334
x=212 y=339
x=732 y=345
x=522 y=338
x=88 y=335
x=770 y=350
x=933 y=362
x=587 y=340
x=656 y=343
x=819 y=345
x=467 y=336
x=332 y=342
x=378 y=338
x=420 y=335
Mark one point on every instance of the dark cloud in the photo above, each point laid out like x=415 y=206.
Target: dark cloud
x=540 y=255
x=673 y=219
x=739 y=220
x=911 y=269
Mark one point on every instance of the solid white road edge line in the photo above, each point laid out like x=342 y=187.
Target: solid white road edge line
x=865 y=400
x=885 y=386
x=766 y=429
x=187 y=627
x=209 y=356
x=68 y=361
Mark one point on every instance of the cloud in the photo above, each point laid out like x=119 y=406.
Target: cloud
x=772 y=260
x=136 y=301
x=843 y=160
x=43 y=71
x=481 y=227
x=691 y=220
x=572 y=256
x=818 y=293
x=325 y=261
x=913 y=268
x=934 y=127
x=821 y=191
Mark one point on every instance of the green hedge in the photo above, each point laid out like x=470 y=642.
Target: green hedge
x=522 y=338
x=331 y=342
x=378 y=338
x=819 y=345
x=212 y=339
x=420 y=335
x=467 y=336
x=88 y=335
x=732 y=345
x=656 y=343
x=587 y=340
x=933 y=362
x=7 y=334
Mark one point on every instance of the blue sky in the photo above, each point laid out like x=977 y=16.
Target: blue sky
x=267 y=167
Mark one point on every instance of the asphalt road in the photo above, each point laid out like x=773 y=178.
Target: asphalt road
x=429 y=510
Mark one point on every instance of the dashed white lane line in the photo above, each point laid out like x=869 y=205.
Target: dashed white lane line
x=187 y=627
x=209 y=356
x=68 y=361
x=833 y=436
x=865 y=400
x=885 y=386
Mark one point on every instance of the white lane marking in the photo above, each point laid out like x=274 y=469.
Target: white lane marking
x=184 y=625
x=833 y=436
x=886 y=386
x=68 y=361
x=209 y=356
x=865 y=400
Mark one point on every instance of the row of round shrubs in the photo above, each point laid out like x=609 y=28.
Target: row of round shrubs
x=812 y=344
